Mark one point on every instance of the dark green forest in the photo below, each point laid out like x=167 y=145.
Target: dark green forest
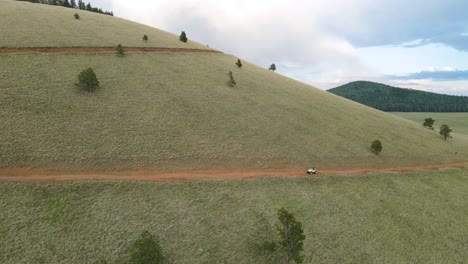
x=80 y=4
x=392 y=99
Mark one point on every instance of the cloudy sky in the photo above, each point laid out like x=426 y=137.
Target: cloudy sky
x=419 y=44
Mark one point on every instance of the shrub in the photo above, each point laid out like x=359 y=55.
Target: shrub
x=145 y=38
x=376 y=147
x=88 y=80
x=146 y=249
x=272 y=67
x=428 y=122
x=183 y=37
x=77 y=16
x=445 y=131
x=239 y=63
x=231 y=81
x=120 y=50
x=290 y=242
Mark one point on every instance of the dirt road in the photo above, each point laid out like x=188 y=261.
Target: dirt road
x=101 y=50
x=38 y=175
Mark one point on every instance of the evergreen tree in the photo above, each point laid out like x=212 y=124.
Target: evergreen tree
x=376 y=147
x=292 y=237
x=146 y=249
x=445 y=131
x=239 y=63
x=88 y=80
x=77 y=16
x=183 y=37
x=231 y=81
x=73 y=4
x=272 y=67
x=120 y=50
x=66 y=3
x=145 y=38
x=89 y=7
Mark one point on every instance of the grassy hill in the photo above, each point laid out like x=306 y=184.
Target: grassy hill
x=175 y=111
x=393 y=99
x=24 y=24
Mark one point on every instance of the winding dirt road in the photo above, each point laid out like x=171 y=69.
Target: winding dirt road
x=38 y=175
x=101 y=50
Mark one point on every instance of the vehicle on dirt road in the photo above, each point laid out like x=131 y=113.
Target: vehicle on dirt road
x=312 y=170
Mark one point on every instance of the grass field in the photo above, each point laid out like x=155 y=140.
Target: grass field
x=417 y=217
x=458 y=122
x=23 y=24
x=175 y=111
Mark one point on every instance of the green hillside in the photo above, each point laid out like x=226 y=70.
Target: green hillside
x=24 y=24
x=393 y=99
x=175 y=111
x=417 y=217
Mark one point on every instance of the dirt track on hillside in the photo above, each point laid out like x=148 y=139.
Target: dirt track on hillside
x=38 y=175
x=102 y=50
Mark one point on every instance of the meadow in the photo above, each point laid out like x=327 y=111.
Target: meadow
x=169 y=111
x=414 y=217
x=458 y=122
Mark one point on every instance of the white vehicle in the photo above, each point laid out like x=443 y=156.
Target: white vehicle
x=312 y=170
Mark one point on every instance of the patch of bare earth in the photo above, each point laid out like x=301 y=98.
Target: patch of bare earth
x=39 y=175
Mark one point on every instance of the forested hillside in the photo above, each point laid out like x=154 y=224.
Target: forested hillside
x=393 y=99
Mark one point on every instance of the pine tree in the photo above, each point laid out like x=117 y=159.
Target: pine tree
x=292 y=237
x=272 y=67
x=183 y=37
x=73 y=4
x=239 y=63
x=376 y=147
x=88 y=80
x=428 y=122
x=145 y=38
x=231 y=81
x=120 y=50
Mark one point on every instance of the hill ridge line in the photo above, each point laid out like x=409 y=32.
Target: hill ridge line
x=101 y=50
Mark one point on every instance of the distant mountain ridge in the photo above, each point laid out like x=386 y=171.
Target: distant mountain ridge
x=393 y=99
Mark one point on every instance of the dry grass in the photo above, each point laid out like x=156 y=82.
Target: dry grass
x=23 y=24
x=176 y=111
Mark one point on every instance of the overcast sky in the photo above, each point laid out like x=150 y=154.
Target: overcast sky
x=419 y=44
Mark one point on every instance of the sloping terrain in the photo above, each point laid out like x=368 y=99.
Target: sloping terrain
x=175 y=111
x=24 y=24
x=392 y=99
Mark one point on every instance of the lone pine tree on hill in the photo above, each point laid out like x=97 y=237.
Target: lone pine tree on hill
x=272 y=67
x=183 y=37
x=145 y=38
x=88 y=80
x=120 y=50
x=239 y=63
x=376 y=147
x=231 y=81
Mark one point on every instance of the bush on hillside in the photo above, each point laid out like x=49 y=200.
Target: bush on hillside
x=428 y=122
x=145 y=38
x=445 y=131
x=120 y=50
x=88 y=80
x=239 y=63
x=146 y=249
x=376 y=147
x=183 y=37
x=77 y=16
x=272 y=67
x=231 y=81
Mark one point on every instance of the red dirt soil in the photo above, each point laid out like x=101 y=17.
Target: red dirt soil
x=100 y=50
x=22 y=174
